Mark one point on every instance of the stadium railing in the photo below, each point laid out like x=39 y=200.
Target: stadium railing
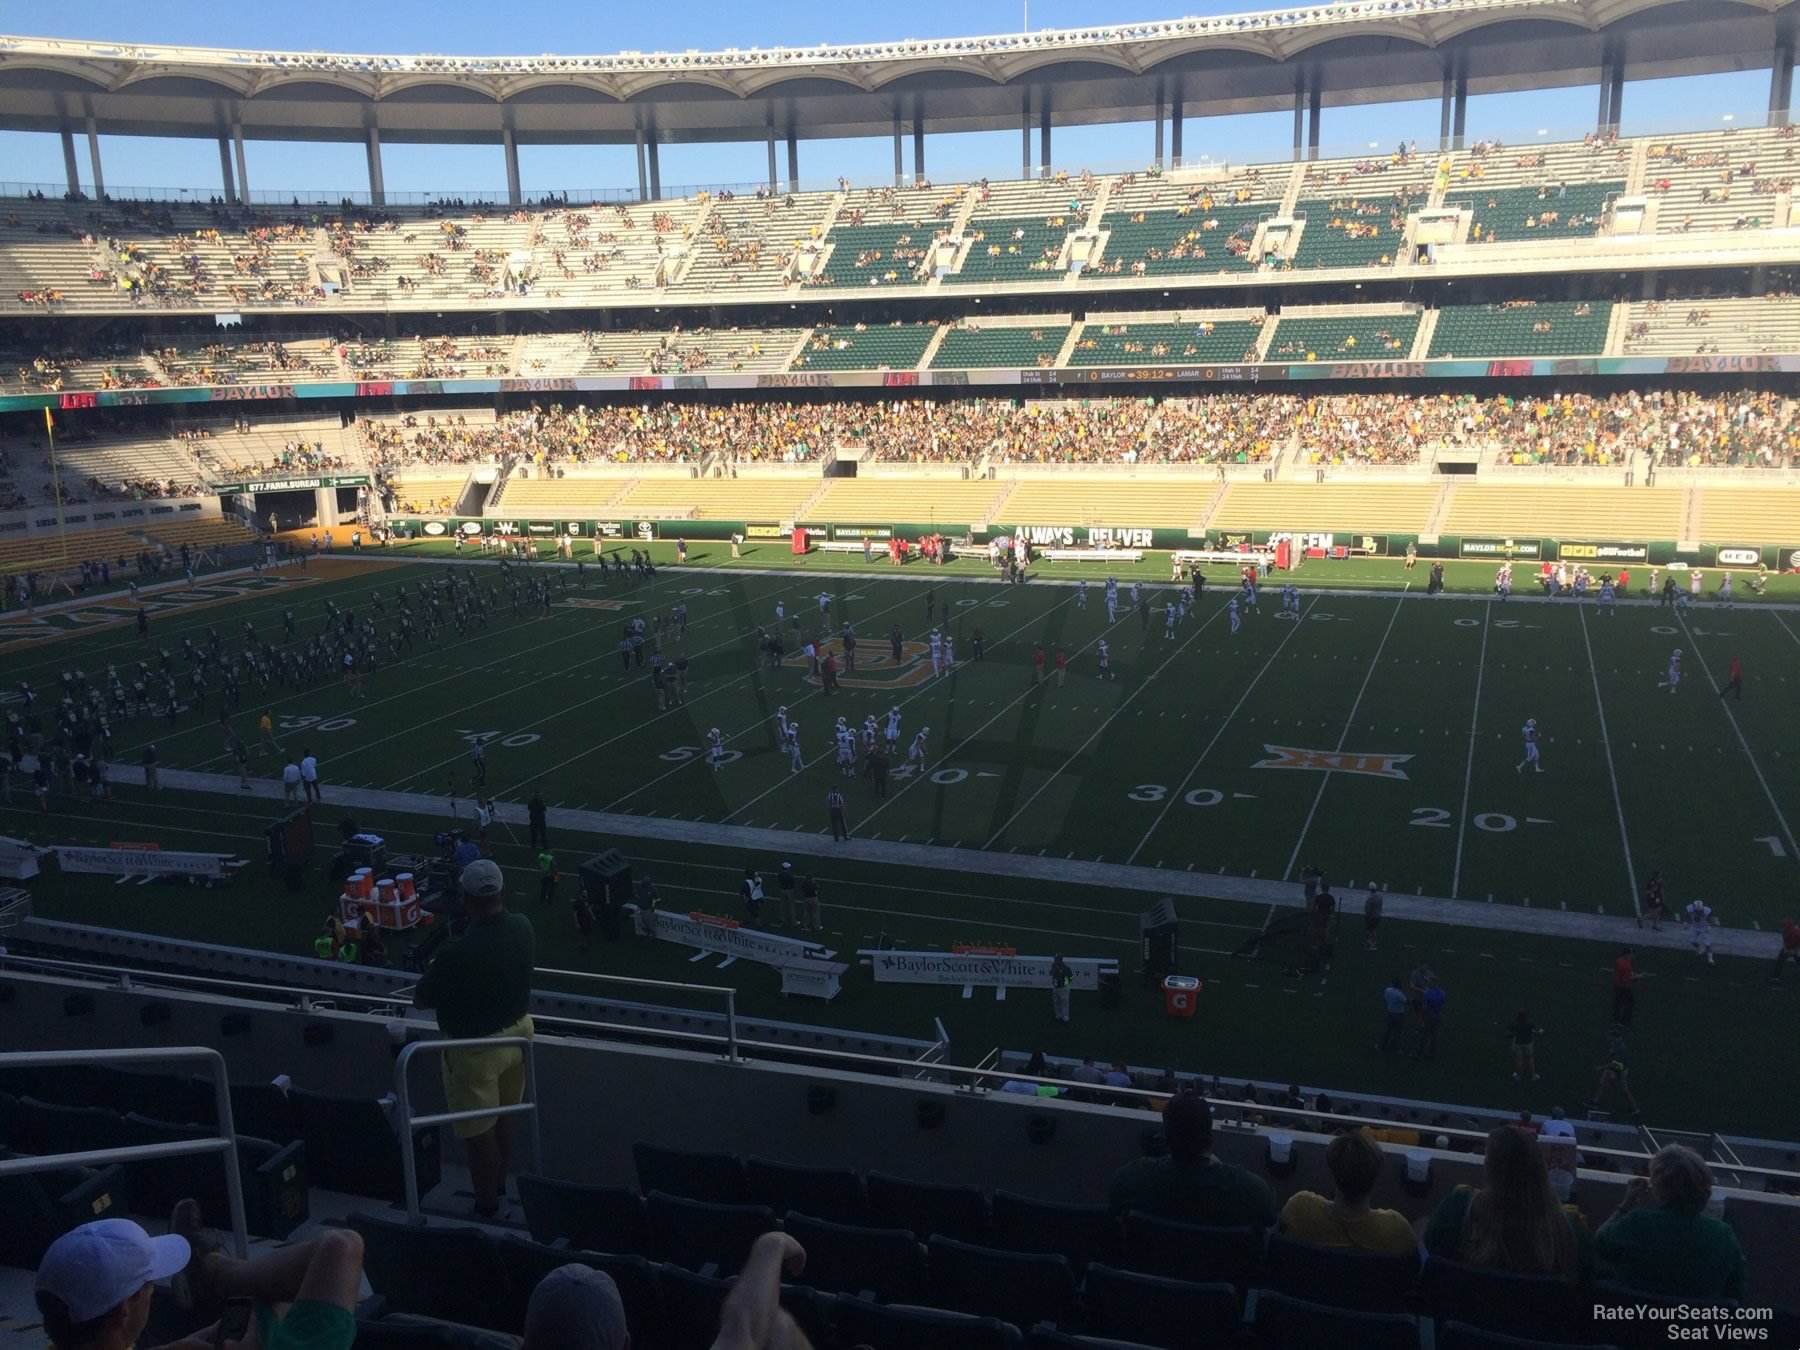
x=983 y=1078
x=223 y=1143
x=406 y=1122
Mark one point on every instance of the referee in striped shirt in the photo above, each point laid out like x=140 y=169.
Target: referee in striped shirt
x=834 y=806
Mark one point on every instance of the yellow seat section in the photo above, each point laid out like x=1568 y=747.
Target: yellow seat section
x=1174 y=503
x=1567 y=512
x=1403 y=507
x=719 y=498
x=958 y=502
x=1750 y=515
x=558 y=496
x=428 y=495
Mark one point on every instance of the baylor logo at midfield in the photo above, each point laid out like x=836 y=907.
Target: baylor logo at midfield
x=875 y=664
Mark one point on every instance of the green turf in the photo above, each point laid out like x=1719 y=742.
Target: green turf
x=1158 y=767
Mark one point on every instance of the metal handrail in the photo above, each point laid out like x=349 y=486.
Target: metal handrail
x=971 y=1077
x=731 y=1036
x=526 y=1105
x=223 y=1143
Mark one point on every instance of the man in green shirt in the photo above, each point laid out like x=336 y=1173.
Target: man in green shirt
x=480 y=986
x=1190 y=1184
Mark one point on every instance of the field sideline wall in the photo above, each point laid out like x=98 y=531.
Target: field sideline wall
x=1523 y=548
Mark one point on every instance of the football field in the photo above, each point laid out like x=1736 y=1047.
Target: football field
x=1376 y=736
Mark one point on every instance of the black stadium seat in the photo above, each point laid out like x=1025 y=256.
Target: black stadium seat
x=1369 y=1281
x=41 y=1206
x=46 y=1128
x=1176 y=1314
x=1083 y=1233
x=351 y=1146
x=1537 y=1307
x=274 y=1175
x=436 y=1271
x=596 y=1218
x=1191 y=1251
x=1047 y=1337
x=1018 y=1287
x=699 y=1236
x=691 y=1304
x=1278 y=1322
x=640 y=1289
x=406 y=1331
x=1462 y=1336
x=717 y=1178
x=887 y=1264
x=900 y=1327
x=926 y=1207
x=834 y=1194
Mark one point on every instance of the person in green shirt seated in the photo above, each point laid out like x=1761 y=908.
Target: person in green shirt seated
x=1662 y=1241
x=1514 y=1223
x=1189 y=1184
x=1354 y=1161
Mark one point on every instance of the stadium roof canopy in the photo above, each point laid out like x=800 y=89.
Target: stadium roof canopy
x=1380 y=51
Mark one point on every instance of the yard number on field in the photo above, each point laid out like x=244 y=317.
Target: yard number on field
x=302 y=722
x=512 y=742
x=687 y=752
x=1436 y=817
x=1155 y=792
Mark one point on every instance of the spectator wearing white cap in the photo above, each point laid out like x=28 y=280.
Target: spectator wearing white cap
x=95 y=1284
x=480 y=986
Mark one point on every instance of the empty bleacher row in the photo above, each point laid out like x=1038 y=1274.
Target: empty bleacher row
x=57 y=255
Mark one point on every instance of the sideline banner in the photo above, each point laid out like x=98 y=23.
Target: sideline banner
x=1607 y=551
x=1471 y=547
x=143 y=862
x=725 y=937
x=968 y=968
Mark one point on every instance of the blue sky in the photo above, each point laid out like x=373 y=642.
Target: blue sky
x=455 y=27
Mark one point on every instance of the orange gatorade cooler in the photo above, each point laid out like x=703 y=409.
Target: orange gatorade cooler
x=1181 y=995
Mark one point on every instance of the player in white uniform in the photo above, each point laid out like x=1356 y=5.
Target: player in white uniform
x=715 y=749
x=783 y=733
x=1081 y=594
x=1249 y=594
x=1231 y=612
x=871 y=733
x=846 y=748
x=949 y=653
x=1112 y=599
x=1105 y=654
x=1606 y=596
x=780 y=611
x=1503 y=582
x=893 y=731
x=937 y=652
x=795 y=763
x=1696 y=580
x=825 y=606
x=1169 y=620
x=1530 y=732
x=1725 y=591
x=917 y=750
x=1674 y=672
x=1186 y=604
x=1701 y=922
x=1134 y=595
x=1290 y=602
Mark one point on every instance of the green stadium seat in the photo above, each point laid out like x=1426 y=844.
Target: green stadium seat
x=865 y=347
x=1543 y=328
x=970 y=347
x=1382 y=337
x=1144 y=344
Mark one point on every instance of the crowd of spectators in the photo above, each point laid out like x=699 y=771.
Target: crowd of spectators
x=1682 y=428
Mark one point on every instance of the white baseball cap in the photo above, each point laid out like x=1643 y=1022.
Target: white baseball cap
x=92 y=1269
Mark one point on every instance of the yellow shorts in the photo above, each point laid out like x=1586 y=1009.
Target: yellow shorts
x=480 y=1077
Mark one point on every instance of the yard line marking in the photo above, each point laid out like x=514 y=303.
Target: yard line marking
x=1349 y=722
x=1755 y=768
x=1784 y=628
x=1462 y=824
x=1093 y=735
x=920 y=692
x=1611 y=772
x=1188 y=777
